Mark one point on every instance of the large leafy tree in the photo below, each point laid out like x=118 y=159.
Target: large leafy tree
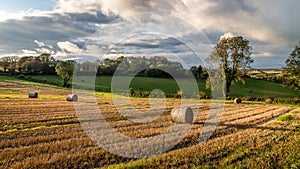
x=292 y=71
x=234 y=56
x=65 y=69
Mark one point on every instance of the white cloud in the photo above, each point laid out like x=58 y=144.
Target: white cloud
x=68 y=47
x=27 y=52
x=75 y=6
x=5 y=16
x=43 y=45
x=44 y=50
x=227 y=35
x=93 y=50
x=40 y=44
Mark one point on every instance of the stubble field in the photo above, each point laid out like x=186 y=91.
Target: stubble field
x=46 y=133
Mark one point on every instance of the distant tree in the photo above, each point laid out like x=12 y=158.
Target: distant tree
x=197 y=71
x=32 y=67
x=25 y=59
x=151 y=72
x=9 y=63
x=48 y=63
x=157 y=66
x=234 y=54
x=13 y=63
x=137 y=63
x=108 y=67
x=65 y=69
x=42 y=64
x=87 y=67
x=4 y=63
x=45 y=58
x=292 y=71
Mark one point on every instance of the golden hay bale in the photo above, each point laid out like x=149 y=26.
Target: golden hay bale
x=33 y=94
x=269 y=100
x=237 y=100
x=72 y=98
x=182 y=115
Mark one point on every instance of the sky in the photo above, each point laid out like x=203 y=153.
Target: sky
x=182 y=29
x=18 y=5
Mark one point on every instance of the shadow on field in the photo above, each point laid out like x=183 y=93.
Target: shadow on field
x=253 y=126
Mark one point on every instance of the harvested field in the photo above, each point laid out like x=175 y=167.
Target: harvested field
x=46 y=133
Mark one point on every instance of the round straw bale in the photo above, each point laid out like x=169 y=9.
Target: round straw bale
x=33 y=95
x=237 y=100
x=182 y=115
x=72 y=98
x=269 y=100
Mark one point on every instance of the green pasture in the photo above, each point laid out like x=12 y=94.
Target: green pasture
x=252 y=88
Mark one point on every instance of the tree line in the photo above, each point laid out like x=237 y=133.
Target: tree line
x=157 y=66
x=42 y=64
x=233 y=55
x=45 y=64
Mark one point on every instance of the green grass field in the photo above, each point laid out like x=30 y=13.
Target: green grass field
x=261 y=88
x=253 y=87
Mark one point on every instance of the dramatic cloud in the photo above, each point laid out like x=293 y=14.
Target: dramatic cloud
x=267 y=20
x=272 y=26
x=21 y=33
